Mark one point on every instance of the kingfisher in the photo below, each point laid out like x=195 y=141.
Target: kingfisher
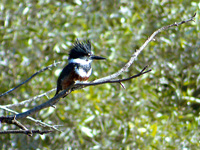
x=79 y=65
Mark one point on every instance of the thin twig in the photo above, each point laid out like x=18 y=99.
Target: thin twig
x=42 y=70
x=29 y=100
x=122 y=85
x=30 y=118
x=18 y=124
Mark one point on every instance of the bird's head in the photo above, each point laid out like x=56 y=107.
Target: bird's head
x=82 y=50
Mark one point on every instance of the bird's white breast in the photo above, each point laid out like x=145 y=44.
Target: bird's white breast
x=81 y=72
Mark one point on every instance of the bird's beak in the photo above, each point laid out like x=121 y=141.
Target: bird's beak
x=97 y=57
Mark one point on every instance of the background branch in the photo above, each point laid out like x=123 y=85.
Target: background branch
x=26 y=132
x=29 y=100
x=42 y=70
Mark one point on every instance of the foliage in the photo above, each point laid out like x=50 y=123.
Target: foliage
x=159 y=110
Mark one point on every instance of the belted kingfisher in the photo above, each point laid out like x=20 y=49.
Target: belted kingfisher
x=79 y=65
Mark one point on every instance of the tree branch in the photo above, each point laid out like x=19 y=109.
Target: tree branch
x=42 y=70
x=29 y=100
x=28 y=132
x=135 y=55
x=30 y=118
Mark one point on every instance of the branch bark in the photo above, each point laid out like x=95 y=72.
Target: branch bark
x=27 y=132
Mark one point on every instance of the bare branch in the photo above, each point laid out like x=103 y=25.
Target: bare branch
x=30 y=118
x=42 y=70
x=135 y=55
x=29 y=100
x=28 y=132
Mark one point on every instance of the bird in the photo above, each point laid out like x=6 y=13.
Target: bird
x=78 y=67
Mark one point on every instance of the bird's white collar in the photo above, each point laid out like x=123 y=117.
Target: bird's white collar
x=80 y=61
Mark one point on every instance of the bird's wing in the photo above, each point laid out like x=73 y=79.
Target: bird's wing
x=64 y=74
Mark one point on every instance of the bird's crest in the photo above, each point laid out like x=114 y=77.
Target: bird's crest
x=80 y=49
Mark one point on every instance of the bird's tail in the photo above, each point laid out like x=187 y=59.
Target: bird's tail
x=57 y=91
x=59 y=88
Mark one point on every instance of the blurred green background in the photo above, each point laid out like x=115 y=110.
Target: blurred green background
x=159 y=110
